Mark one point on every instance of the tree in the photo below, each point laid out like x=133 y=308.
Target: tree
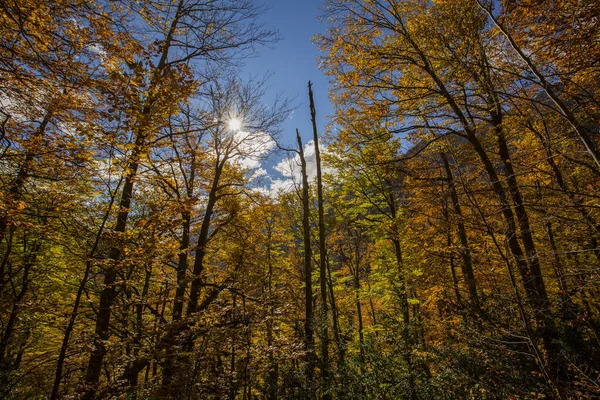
x=396 y=68
x=158 y=84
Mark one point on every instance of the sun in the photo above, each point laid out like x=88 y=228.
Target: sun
x=235 y=124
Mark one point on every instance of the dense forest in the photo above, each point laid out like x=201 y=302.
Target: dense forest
x=438 y=238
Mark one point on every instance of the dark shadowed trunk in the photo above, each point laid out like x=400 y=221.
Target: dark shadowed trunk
x=322 y=257
x=309 y=341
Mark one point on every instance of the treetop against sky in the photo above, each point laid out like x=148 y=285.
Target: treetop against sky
x=290 y=63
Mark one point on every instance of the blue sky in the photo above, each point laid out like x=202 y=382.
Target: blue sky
x=292 y=61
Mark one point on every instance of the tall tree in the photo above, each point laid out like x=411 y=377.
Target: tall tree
x=324 y=317
x=309 y=341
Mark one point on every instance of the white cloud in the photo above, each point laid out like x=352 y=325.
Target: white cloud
x=291 y=171
x=255 y=144
x=247 y=162
x=97 y=49
x=258 y=173
x=276 y=187
x=290 y=166
x=250 y=149
x=281 y=185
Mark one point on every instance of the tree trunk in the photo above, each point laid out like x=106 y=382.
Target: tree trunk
x=203 y=239
x=107 y=295
x=322 y=257
x=547 y=329
x=404 y=306
x=465 y=251
x=308 y=303
x=459 y=301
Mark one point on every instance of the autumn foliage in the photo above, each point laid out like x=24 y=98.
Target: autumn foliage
x=447 y=248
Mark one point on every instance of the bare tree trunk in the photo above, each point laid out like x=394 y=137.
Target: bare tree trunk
x=322 y=257
x=308 y=304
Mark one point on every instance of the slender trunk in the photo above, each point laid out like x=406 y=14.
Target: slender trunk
x=322 y=257
x=465 y=251
x=21 y=350
x=67 y=336
x=203 y=239
x=247 y=386
x=139 y=309
x=181 y=284
x=335 y=319
x=159 y=322
x=182 y=266
x=232 y=365
x=404 y=306
x=405 y=310
x=361 y=335
x=162 y=300
x=107 y=295
x=520 y=212
x=452 y=266
x=309 y=342
x=371 y=305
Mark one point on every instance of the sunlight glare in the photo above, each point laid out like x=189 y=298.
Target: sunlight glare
x=235 y=124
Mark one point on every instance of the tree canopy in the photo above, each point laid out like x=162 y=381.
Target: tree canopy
x=438 y=239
